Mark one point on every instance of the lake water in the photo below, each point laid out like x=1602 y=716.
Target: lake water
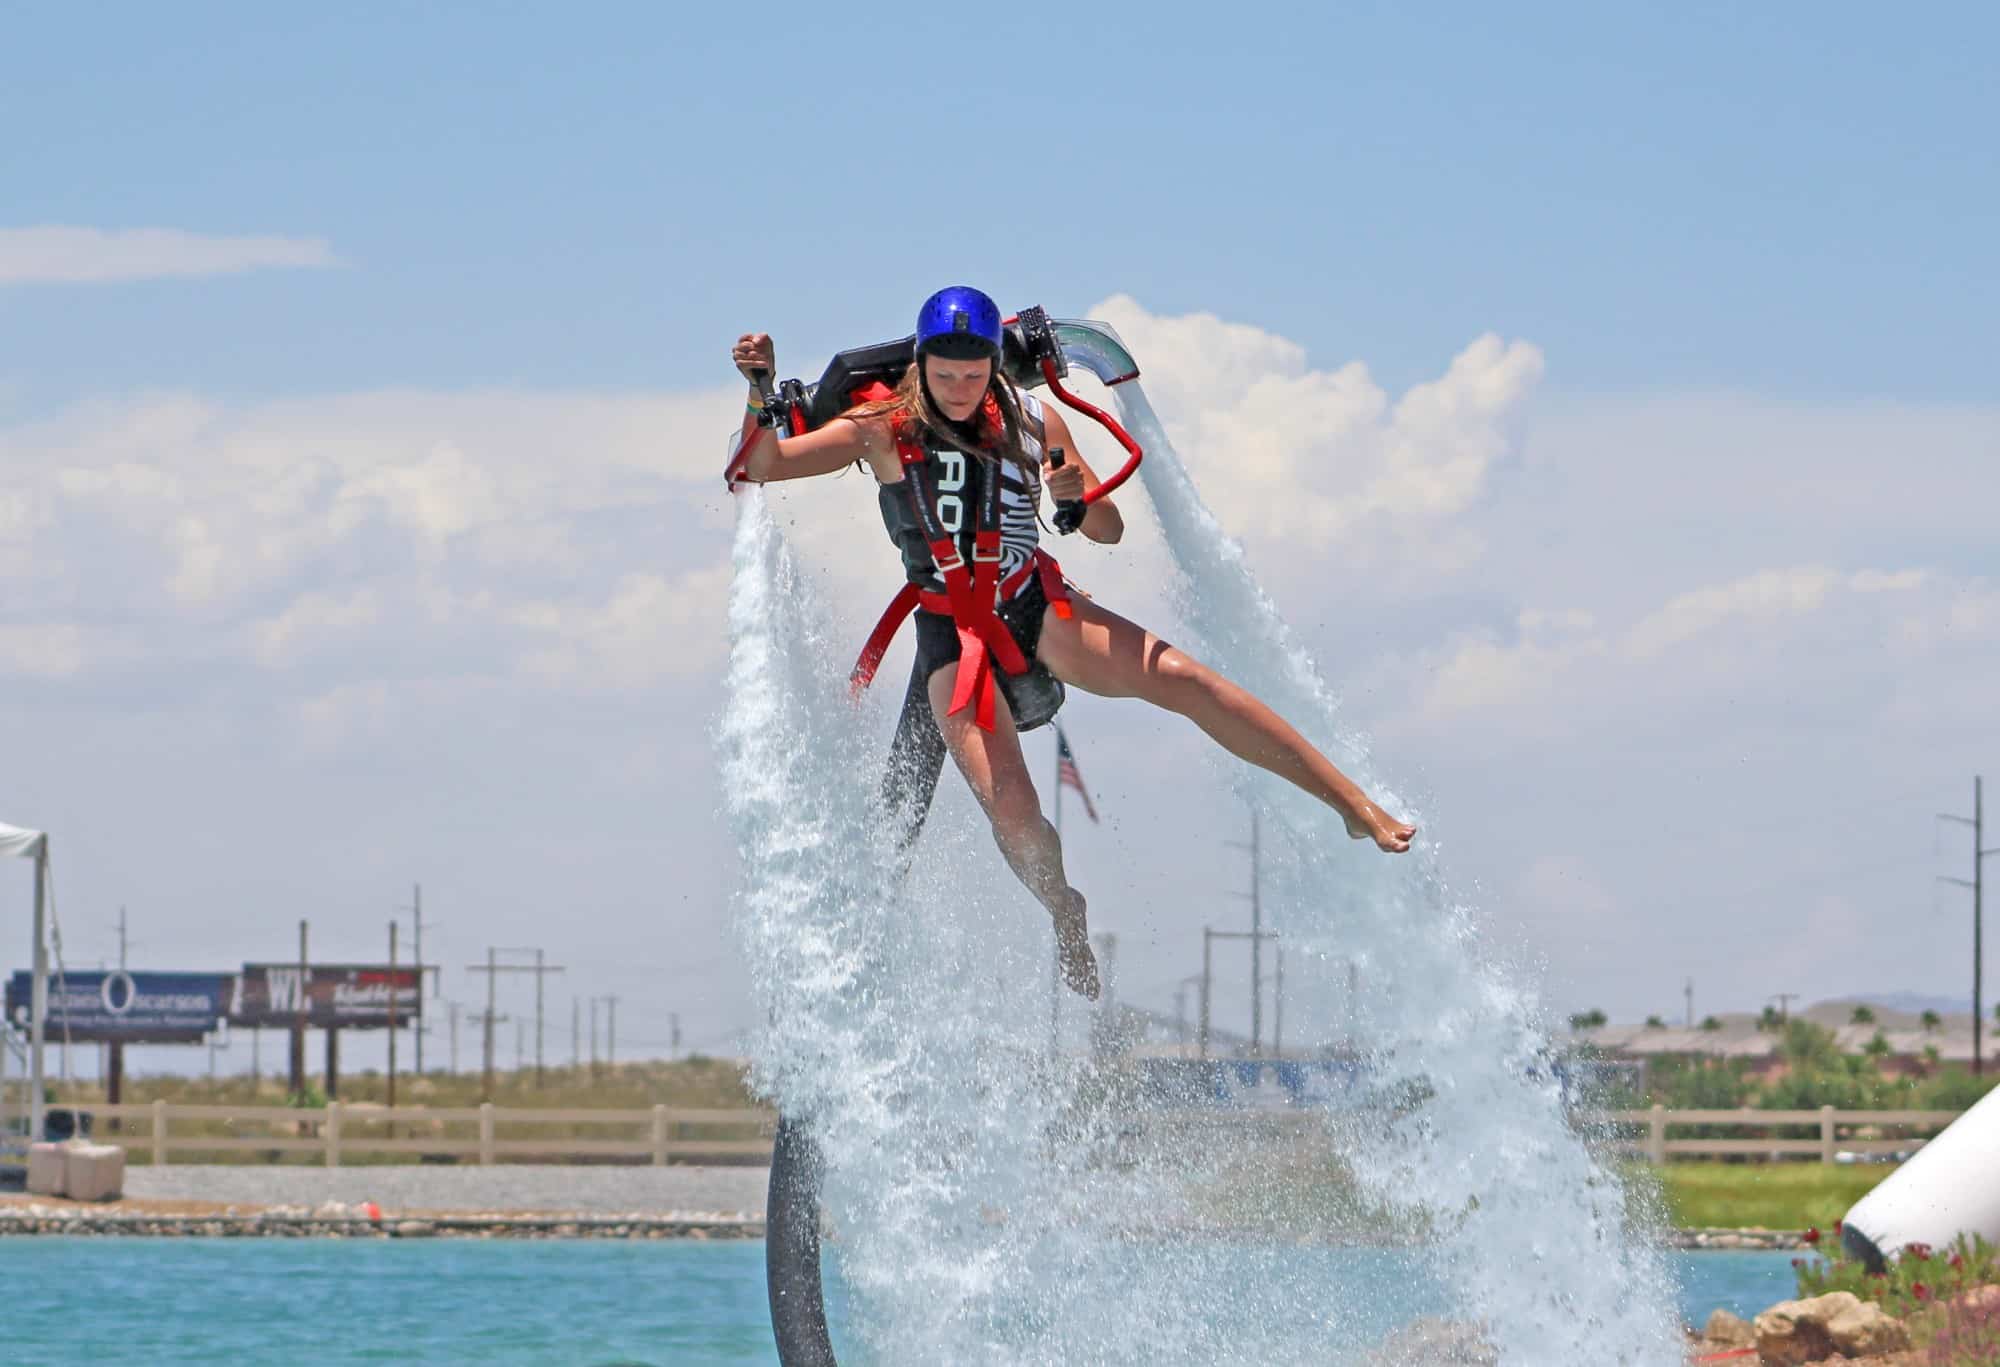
x=592 y=1303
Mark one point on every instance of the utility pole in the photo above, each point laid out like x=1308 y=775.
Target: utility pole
x=492 y=972
x=1207 y=967
x=576 y=1036
x=121 y=938
x=492 y=968
x=1978 y=885
x=487 y=1020
x=1689 y=990
x=392 y=1013
x=1256 y=934
x=611 y=1034
x=298 y=1080
x=674 y=1035
x=1784 y=1001
x=1278 y=1009
x=593 y=1037
x=1180 y=1009
x=1207 y=973
x=453 y=1006
x=416 y=910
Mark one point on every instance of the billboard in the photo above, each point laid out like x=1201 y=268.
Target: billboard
x=113 y=1005
x=344 y=996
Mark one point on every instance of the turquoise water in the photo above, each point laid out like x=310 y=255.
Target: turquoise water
x=583 y=1303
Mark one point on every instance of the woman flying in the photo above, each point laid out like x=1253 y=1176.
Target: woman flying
x=961 y=456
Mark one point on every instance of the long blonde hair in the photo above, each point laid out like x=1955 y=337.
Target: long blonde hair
x=913 y=397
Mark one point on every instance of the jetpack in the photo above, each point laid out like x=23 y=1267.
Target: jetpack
x=1037 y=351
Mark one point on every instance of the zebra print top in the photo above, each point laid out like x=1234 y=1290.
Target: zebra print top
x=958 y=480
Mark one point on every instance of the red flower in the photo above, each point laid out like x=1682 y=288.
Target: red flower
x=1921 y=1252
x=1812 y=1235
x=1957 y=1262
x=1921 y=1292
x=1837 y=1226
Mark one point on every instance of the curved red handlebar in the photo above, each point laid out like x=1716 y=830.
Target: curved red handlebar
x=1109 y=423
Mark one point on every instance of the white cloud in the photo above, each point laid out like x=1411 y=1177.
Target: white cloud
x=1325 y=462
x=71 y=255
x=52 y=650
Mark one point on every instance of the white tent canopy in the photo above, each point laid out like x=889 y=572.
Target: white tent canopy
x=34 y=845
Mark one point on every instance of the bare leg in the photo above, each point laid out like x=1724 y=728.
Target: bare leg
x=1100 y=652
x=998 y=775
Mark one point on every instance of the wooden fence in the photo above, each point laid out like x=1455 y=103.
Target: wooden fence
x=481 y=1134
x=661 y=1134
x=1823 y=1138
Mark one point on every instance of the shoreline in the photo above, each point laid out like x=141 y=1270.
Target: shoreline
x=28 y=1217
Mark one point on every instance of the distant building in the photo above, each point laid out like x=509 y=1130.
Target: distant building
x=1906 y=1050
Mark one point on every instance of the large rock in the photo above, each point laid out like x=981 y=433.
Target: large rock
x=95 y=1172
x=1724 y=1331
x=1432 y=1342
x=1838 y=1324
x=48 y=1170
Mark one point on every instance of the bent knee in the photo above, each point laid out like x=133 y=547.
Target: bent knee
x=1180 y=682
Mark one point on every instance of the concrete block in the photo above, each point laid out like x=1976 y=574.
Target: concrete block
x=48 y=1170
x=96 y=1172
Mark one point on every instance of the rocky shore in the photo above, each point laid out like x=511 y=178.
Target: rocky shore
x=334 y=1220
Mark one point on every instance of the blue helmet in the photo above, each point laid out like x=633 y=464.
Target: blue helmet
x=959 y=322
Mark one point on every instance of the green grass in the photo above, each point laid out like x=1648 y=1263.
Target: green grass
x=1746 y=1195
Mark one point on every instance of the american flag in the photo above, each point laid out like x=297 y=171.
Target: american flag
x=1067 y=775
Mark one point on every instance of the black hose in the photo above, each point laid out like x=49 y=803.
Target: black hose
x=791 y=1250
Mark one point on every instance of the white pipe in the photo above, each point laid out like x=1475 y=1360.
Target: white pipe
x=1951 y=1186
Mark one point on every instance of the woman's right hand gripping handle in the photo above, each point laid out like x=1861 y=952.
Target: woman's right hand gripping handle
x=757 y=359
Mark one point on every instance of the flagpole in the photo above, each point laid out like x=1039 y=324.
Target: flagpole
x=1055 y=949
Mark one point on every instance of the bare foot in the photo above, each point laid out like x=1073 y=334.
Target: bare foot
x=1079 y=965
x=1372 y=823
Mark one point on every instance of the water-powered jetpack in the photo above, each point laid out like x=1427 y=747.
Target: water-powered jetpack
x=1037 y=351
x=1950 y=1187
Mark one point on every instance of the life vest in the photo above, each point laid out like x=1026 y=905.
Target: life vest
x=970 y=593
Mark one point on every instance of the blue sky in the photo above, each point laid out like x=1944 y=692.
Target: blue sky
x=1797 y=200
x=370 y=512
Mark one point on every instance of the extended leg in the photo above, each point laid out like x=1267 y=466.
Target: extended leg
x=1103 y=653
x=998 y=775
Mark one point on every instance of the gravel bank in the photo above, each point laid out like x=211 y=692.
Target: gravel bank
x=733 y=1191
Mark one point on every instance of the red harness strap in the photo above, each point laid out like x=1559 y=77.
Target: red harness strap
x=969 y=595
x=1054 y=588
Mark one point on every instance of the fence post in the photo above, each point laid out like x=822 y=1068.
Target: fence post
x=486 y=1134
x=1656 y=1136
x=1826 y=1134
x=159 y=1134
x=333 y=1110
x=659 y=1136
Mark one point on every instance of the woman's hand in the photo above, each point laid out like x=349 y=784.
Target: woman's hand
x=753 y=351
x=1065 y=481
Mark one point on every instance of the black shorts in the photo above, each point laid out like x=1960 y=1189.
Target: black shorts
x=1034 y=697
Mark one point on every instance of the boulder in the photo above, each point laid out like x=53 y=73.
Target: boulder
x=1838 y=1324
x=1432 y=1342
x=94 y=1172
x=1725 y=1330
x=48 y=1170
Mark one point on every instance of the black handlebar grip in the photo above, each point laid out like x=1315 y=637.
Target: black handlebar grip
x=1069 y=512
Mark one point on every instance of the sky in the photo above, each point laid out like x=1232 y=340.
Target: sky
x=1606 y=397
